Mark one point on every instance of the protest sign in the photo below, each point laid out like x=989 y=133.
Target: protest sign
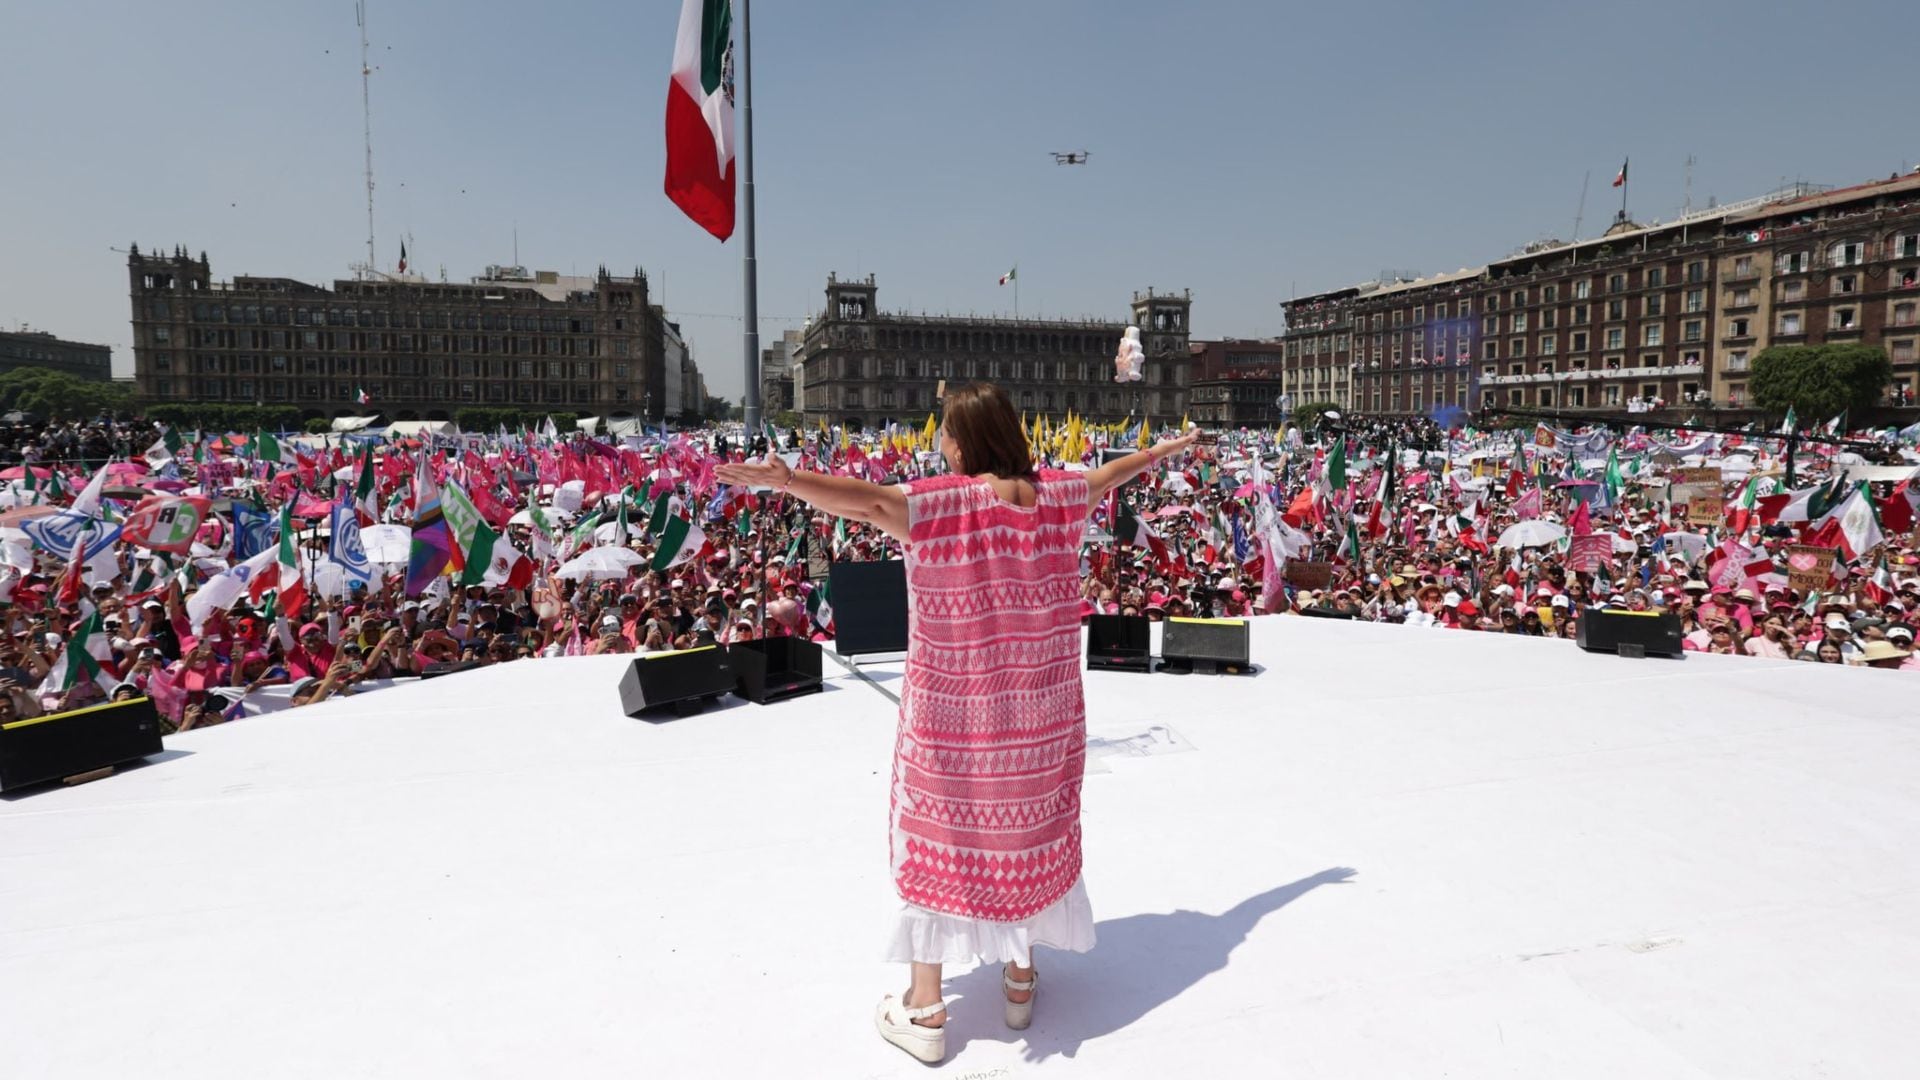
x=1586 y=553
x=1706 y=510
x=1809 y=568
x=1309 y=575
x=1687 y=484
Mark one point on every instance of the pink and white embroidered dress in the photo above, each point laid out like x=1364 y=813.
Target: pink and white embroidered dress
x=985 y=803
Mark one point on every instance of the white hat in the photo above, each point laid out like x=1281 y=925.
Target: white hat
x=1900 y=631
x=1503 y=589
x=1837 y=621
x=1452 y=599
x=1562 y=601
x=610 y=622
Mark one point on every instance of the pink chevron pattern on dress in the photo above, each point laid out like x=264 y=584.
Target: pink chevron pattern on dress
x=985 y=804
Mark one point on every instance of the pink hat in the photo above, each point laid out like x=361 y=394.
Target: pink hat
x=310 y=628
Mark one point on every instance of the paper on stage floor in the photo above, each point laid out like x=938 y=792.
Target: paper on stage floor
x=1132 y=742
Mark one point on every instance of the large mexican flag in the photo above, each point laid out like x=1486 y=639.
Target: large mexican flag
x=700 y=116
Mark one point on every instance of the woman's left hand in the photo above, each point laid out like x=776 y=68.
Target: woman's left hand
x=769 y=472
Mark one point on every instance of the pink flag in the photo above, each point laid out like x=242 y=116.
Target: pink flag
x=1529 y=505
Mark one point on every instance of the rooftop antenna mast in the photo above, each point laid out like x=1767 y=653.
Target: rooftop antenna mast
x=366 y=118
x=1580 y=215
x=1687 y=207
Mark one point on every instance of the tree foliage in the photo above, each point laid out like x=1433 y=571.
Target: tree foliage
x=56 y=395
x=1820 y=381
x=1308 y=415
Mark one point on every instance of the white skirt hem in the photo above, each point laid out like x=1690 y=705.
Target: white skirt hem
x=928 y=937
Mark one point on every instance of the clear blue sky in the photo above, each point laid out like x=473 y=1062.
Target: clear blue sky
x=1240 y=149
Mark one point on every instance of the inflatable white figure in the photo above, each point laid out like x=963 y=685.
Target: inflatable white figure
x=1131 y=357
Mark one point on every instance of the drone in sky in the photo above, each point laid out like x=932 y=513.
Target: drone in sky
x=1070 y=157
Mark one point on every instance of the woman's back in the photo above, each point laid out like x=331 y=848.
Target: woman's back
x=993 y=737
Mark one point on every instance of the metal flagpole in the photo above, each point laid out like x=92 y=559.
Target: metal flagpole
x=750 y=302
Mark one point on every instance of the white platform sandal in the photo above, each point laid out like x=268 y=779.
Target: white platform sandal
x=1020 y=1014
x=896 y=1023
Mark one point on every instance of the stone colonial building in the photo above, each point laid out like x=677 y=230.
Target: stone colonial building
x=865 y=367
x=39 y=349
x=419 y=349
x=1644 y=316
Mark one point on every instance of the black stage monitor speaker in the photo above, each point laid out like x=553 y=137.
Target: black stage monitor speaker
x=1317 y=612
x=1212 y=646
x=869 y=607
x=1629 y=633
x=60 y=745
x=775 y=669
x=685 y=680
x=449 y=667
x=1119 y=643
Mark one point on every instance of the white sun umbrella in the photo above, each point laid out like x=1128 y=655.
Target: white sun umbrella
x=1624 y=545
x=600 y=562
x=603 y=533
x=1532 y=533
x=554 y=515
x=570 y=495
x=386 y=543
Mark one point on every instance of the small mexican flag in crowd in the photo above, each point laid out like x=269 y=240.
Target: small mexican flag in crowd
x=680 y=541
x=81 y=659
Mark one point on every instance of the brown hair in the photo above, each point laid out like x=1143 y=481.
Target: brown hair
x=980 y=418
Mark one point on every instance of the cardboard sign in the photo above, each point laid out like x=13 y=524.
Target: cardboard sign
x=1586 y=553
x=1687 y=483
x=1706 y=510
x=1809 y=568
x=1309 y=575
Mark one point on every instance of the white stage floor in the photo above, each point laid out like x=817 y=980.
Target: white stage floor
x=1393 y=853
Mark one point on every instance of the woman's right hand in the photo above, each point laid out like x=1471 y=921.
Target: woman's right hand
x=769 y=472
x=1178 y=445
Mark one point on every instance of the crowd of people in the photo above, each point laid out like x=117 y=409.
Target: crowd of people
x=518 y=547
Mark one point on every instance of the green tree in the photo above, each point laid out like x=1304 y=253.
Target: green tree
x=57 y=395
x=1308 y=415
x=718 y=408
x=1820 y=381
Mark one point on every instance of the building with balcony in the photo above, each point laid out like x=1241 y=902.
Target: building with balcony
x=26 y=348
x=1236 y=384
x=866 y=368
x=1644 y=316
x=1825 y=267
x=418 y=349
x=1413 y=343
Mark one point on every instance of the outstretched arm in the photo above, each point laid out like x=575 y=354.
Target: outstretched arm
x=883 y=506
x=1120 y=470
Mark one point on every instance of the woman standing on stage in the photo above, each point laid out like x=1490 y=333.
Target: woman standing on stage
x=985 y=802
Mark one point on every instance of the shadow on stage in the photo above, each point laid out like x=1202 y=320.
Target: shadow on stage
x=1138 y=964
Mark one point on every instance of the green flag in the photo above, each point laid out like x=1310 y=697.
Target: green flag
x=265 y=447
x=1337 y=463
x=661 y=508
x=471 y=533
